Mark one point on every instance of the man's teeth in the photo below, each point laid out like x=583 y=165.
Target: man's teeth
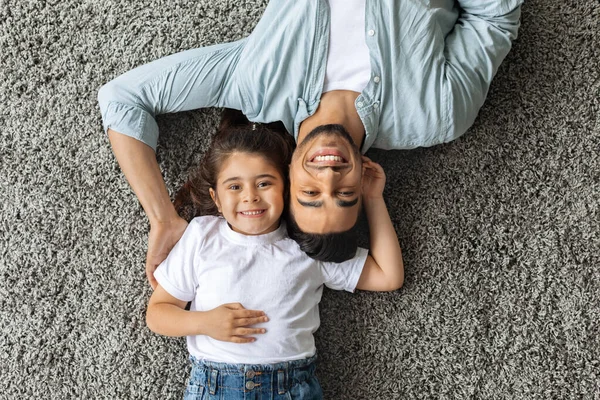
x=252 y=212
x=328 y=158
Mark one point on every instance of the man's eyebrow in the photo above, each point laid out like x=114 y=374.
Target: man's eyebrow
x=315 y=204
x=237 y=178
x=343 y=203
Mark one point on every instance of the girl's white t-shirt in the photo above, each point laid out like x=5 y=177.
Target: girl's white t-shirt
x=212 y=265
x=348 y=60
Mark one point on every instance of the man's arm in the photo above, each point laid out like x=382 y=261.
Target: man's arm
x=183 y=81
x=139 y=165
x=384 y=268
x=474 y=49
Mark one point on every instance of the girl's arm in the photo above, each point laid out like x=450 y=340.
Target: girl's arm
x=384 y=268
x=166 y=315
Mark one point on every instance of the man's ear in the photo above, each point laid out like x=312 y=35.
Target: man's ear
x=213 y=196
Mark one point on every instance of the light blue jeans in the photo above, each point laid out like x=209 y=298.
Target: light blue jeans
x=282 y=381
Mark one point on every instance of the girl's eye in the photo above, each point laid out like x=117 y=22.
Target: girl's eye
x=309 y=193
x=234 y=187
x=264 y=184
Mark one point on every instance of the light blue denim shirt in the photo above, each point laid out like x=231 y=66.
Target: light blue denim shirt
x=432 y=62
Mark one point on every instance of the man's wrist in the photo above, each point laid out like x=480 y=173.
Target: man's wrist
x=166 y=218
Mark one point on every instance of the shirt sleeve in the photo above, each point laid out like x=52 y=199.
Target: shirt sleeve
x=344 y=275
x=474 y=49
x=191 y=79
x=178 y=273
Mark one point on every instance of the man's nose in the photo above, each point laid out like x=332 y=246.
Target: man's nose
x=328 y=174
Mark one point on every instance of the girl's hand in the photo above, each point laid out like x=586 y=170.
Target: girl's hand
x=373 y=179
x=231 y=322
x=163 y=236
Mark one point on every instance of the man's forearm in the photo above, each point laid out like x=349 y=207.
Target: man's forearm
x=138 y=163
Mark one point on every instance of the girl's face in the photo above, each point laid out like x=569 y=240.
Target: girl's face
x=249 y=194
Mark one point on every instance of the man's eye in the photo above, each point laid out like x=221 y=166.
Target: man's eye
x=346 y=194
x=309 y=193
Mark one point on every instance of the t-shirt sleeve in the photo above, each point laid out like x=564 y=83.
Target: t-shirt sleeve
x=178 y=273
x=344 y=275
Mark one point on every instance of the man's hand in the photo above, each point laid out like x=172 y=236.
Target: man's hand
x=373 y=179
x=163 y=236
x=230 y=323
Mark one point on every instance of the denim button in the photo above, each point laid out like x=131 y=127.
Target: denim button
x=249 y=385
x=377 y=79
x=371 y=32
x=250 y=374
x=360 y=104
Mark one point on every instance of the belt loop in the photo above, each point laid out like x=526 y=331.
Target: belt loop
x=281 y=382
x=212 y=381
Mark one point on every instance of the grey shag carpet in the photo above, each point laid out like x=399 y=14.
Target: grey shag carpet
x=500 y=229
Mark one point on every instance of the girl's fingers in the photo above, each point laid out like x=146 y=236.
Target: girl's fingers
x=249 y=331
x=248 y=313
x=234 y=306
x=237 y=339
x=250 y=321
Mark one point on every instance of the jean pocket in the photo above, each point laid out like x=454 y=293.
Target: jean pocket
x=194 y=391
x=306 y=390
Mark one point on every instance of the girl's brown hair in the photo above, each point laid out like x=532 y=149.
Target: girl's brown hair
x=235 y=134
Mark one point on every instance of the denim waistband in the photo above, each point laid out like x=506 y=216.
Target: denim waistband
x=240 y=368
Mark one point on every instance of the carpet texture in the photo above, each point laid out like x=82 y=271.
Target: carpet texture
x=500 y=229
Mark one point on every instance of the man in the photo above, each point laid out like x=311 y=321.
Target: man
x=392 y=74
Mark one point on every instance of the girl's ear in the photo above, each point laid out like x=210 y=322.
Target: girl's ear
x=213 y=196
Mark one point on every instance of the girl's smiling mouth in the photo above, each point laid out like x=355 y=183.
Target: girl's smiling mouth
x=252 y=213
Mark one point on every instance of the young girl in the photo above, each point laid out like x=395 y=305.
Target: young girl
x=254 y=294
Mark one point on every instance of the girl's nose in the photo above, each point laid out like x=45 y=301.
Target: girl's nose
x=251 y=196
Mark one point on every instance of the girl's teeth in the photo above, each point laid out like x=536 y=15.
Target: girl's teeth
x=329 y=158
x=251 y=212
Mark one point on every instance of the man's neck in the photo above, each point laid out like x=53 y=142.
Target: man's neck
x=336 y=107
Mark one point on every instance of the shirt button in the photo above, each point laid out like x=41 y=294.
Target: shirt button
x=371 y=32
x=376 y=79
x=360 y=104
x=376 y=106
x=249 y=385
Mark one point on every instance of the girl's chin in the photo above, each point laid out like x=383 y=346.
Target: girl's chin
x=255 y=230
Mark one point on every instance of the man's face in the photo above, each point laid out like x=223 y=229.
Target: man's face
x=325 y=183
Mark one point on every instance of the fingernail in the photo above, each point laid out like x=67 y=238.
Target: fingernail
x=265 y=319
x=263 y=330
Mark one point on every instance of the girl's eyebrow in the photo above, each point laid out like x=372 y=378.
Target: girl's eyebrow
x=238 y=178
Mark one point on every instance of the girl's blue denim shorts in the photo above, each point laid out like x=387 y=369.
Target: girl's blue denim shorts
x=282 y=381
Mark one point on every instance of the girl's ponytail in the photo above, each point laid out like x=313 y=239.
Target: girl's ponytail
x=184 y=204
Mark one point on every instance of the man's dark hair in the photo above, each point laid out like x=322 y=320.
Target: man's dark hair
x=333 y=247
